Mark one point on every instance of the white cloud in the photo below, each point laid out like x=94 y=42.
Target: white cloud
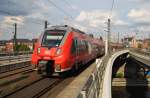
x=40 y=11
x=139 y=15
x=89 y=15
x=80 y=27
x=97 y=18
x=1 y=34
x=10 y=20
x=145 y=29
x=118 y=22
x=75 y=7
x=139 y=1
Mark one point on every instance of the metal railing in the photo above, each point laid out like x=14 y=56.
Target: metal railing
x=14 y=66
x=15 y=53
x=95 y=81
x=93 y=87
x=12 y=58
x=8 y=57
x=140 y=51
x=95 y=84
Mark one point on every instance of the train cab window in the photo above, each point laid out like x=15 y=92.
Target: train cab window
x=52 y=38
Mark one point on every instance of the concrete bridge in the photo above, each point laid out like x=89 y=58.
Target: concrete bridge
x=96 y=81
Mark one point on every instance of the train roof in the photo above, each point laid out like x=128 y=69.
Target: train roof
x=64 y=27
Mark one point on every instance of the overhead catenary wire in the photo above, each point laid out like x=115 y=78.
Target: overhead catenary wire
x=5 y=12
x=8 y=13
x=34 y=22
x=108 y=48
x=67 y=3
x=111 y=9
x=70 y=5
x=62 y=10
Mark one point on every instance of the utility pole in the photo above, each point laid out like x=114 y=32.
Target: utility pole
x=46 y=23
x=118 y=38
x=15 y=37
x=108 y=36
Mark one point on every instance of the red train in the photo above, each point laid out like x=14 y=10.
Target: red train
x=63 y=48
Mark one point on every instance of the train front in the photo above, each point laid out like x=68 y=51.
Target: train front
x=48 y=56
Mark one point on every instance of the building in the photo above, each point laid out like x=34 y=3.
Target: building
x=116 y=45
x=26 y=42
x=8 y=45
x=34 y=41
x=3 y=45
x=139 y=43
x=146 y=44
x=129 y=42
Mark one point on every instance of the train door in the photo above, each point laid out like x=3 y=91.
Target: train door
x=90 y=51
x=89 y=48
x=77 y=49
x=75 y=52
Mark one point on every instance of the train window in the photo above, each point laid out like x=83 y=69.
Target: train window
x=79 y=46
x=86 y=45
x=83 y=46
x=52 y=38
x=74 y=46
x=89 y=47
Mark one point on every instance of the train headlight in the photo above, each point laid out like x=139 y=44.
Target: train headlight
x=38 y=50
x=58 y=52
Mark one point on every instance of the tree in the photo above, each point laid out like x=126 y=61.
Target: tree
x=91 y=35
x=139 y=45
x=101 y=38
x=148 y=44
x=22 y=47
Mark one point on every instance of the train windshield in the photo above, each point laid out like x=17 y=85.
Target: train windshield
x=52 y=38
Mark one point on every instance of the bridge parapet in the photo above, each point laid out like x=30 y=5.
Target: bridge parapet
x=108 y=72
x=94 y=82
x=141 y=52
x=89 y=83
x=143 y=57
x=94 y=85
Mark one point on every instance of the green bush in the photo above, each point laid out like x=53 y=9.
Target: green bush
x=120 y=75
x=22 y=47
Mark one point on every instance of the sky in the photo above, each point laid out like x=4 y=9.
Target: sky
x=128 y=17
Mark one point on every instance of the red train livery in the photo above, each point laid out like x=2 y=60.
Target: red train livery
x=63 y=48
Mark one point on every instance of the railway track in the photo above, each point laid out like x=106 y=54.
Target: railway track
x=36 y=89
x=41 y=87
x=11 y=66
x=21 y=72
x=15 y=53
x=9 y=58
x=25 y=69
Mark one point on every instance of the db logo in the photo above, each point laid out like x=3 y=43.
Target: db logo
x=47 y=52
